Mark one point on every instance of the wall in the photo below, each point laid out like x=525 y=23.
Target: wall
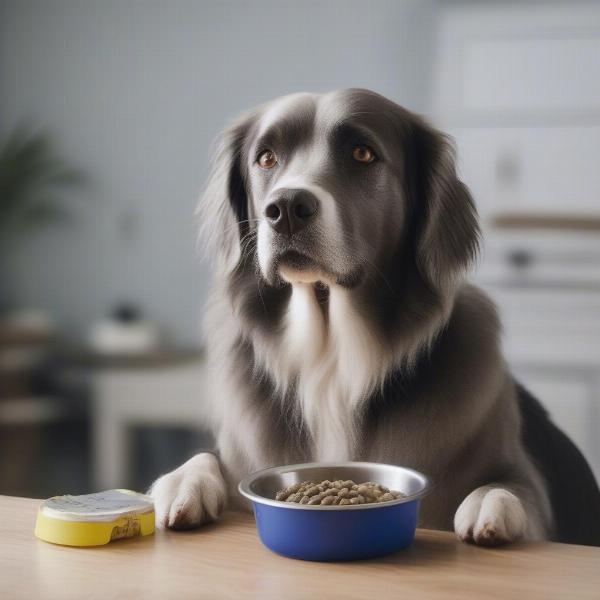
x=135 y=92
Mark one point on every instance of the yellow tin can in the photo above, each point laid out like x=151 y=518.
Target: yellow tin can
x=95 y=519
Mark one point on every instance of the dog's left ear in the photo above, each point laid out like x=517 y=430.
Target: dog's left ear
x=444 y=217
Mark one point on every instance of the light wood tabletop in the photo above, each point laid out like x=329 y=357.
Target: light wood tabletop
x=227 y=560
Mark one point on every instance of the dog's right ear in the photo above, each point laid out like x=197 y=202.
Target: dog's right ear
x=444 y=214
x=223 y=206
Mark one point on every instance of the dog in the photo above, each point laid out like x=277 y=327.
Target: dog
x=340 y=327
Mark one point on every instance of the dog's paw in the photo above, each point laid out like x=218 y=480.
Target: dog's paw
x=489 y=517
x=191 y=495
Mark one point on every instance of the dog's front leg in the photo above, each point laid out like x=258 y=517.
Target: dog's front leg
x=191 y=495
x=495 y=514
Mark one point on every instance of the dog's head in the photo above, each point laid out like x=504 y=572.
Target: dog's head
x=326 y=188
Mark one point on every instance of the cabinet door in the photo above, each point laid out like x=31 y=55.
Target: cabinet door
x=528 y=169
x=530 y=76
x=516 y=63
x=519 y=88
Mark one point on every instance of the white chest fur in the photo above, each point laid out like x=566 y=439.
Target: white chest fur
x=336 y=361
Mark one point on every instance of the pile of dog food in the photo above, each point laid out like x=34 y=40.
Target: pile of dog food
x=342 y=492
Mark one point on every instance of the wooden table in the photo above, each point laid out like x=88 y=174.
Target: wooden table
x=226 y=560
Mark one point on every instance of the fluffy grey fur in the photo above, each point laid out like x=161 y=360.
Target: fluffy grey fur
x=355 y=338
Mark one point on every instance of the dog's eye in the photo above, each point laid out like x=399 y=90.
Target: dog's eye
x=267 y=159
x=363 y=154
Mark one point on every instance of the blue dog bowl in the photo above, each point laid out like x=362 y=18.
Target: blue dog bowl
x=328 y=533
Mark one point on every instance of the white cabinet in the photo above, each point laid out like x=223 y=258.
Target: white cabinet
x=550 y=312
x=518 y=86
x=124 y=397
x=549 y=71
x=525 y=170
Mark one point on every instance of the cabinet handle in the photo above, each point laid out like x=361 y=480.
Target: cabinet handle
x=520 y=258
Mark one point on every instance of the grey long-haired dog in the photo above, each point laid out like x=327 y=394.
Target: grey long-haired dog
x=340 y=328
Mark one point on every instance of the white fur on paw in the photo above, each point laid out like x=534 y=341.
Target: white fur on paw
x=191 y=495
x=489 y=517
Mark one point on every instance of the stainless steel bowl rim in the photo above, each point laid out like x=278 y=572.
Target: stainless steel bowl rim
x=244 y=486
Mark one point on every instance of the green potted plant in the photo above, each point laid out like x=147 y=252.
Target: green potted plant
x=33 y=179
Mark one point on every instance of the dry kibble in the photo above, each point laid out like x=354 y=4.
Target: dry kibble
x=283 y=494
x=295 y=497
x=338 y=492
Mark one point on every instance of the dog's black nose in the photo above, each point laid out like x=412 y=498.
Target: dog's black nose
x=292 y=211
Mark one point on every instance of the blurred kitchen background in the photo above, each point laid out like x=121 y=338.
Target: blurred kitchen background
x=107 y=112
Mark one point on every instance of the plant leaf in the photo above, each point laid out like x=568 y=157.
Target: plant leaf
x=31 y=173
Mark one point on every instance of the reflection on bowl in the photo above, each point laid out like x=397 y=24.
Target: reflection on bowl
x=326 y=533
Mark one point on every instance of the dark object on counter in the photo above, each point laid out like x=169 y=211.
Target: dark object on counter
x=126 y=312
